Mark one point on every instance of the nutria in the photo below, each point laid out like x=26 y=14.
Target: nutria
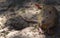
x=47 y=18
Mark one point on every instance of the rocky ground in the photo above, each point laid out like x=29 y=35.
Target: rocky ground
x=18 y=18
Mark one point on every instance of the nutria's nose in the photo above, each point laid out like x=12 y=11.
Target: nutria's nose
x=43 y=21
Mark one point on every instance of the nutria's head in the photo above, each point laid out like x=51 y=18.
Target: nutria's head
x=47 y=17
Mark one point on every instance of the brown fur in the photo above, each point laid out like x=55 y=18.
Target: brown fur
x=47 y=17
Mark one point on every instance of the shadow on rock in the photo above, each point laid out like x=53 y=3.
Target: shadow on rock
x=16 y=23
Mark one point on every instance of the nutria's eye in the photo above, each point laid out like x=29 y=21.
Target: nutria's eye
x=50 y=12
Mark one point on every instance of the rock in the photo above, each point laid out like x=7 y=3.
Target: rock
x=26 y=33
x=2 y=21
x=16 y=23
x=1 y=37
x=57 y=8
x=30 y=12
x=52 y=2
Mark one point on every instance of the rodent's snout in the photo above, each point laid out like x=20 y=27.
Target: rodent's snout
x=43 y=24
x=43 y=21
